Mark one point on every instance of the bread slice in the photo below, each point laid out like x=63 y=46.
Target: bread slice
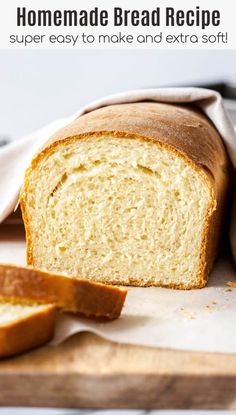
x=23 y=327
x=70 y=294
x=129 y=194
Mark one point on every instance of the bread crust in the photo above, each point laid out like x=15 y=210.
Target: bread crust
x=28 y=332
x=177 y=128
x=70 y=294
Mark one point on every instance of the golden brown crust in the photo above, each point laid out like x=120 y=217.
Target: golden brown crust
x=27 y=333
x=231 y=284
x=70 y=294
x=181 y=129
x=180 y=126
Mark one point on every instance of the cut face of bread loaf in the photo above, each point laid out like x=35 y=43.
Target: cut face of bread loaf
x=23 y=327
x=129 y=194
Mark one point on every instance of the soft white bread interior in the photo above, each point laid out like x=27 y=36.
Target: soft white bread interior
x=129 y=194
x=23 y=327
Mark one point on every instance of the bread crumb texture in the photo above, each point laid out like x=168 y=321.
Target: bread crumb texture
x=10 y=312
x=119 y=211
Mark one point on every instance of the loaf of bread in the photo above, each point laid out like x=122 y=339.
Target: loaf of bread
x=129 y=194
x=23 y=327
x=74 y=295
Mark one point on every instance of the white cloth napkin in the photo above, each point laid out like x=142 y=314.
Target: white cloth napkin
x=15 y=157
x=200 y=320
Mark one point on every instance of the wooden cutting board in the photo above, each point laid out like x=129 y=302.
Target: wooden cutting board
x=89 y=372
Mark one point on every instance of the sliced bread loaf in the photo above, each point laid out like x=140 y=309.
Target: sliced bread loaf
x=129 y=194
x=67 y=293
x=23 y=327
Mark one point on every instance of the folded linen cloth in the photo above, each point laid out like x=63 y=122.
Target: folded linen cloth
x=15 y=157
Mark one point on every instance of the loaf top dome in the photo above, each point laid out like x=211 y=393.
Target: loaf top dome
x=182 y=127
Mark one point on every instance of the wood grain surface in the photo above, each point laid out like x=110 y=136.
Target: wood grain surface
x=89 y=372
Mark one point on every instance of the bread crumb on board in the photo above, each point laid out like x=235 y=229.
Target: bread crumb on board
x=188 y=314
x=210 y=306
x=231 y=284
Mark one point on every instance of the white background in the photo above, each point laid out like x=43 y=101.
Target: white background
x=39 y=86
